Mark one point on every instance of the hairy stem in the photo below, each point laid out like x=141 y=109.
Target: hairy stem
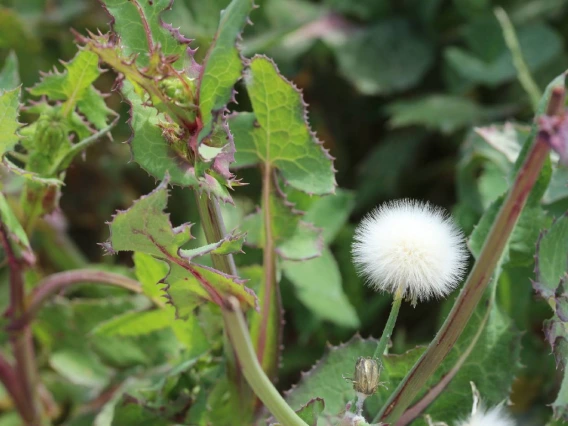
x=253 y=372
x=21 y=340
x=478 y=279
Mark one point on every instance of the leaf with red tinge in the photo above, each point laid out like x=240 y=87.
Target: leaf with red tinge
x=145 y=228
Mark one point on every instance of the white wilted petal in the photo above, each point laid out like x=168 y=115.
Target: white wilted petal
x=410 y=245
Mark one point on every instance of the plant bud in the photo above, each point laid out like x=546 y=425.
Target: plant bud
x=366 y=379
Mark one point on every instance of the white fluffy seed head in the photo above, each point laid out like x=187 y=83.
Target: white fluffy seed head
x=410 y=245
x=496 y=416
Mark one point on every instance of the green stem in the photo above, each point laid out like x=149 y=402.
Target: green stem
x=389 y=327
x=214 y=229
x=523 y=73
x=479 y=277
x=253 y=372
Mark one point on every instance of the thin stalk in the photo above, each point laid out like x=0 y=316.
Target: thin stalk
x=55 y=283
x=269 y=293
x=253 y=372
x=11 y=384
x=479 y=277
x=389 y=327
x=523 y=73
x=21 y=340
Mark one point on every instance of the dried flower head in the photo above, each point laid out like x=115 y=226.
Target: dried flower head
x=411 y=247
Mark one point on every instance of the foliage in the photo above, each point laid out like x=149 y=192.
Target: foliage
x=232 y=204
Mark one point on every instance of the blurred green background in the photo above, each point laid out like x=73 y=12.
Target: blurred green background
x=394 y=89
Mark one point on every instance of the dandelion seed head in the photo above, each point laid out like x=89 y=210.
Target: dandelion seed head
x=496 y=416
x=411 y=245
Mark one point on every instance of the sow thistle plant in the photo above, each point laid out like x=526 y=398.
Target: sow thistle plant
x=188 y=337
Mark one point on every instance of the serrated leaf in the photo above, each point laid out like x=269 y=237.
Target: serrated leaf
x=9 y=76
x=277 y=134
x=310 y=412
x=141 y=30
x=551 y=284
x=146 y=228
x=74 y=86
x=223 y=66
x=317 y=283
x=156 y=156
x=17 y=235
x=9 y=110
x=488 y=354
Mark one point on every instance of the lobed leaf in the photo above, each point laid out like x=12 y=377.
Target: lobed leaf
x=74 y=86
x=146 y=228
x=9 y=110
x=142 y=31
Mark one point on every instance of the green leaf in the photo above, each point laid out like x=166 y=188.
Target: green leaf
x=318 y=286
x=146 y=228
x=386 y=58
x=9 y=109
x=149 y=271
x=539 y=45
x=325 y=379
x=141 y=30
x=293 y=238
x=9 y=76
x=223 y=66
x=80 y=367
x=552 y=285
x=488 y=354
x=330 y=213
x=74 y=87
x=135 y=323
x=277 y=134
x=17 y=235
x=444 y=113
x=310 y=412
x=156 y=155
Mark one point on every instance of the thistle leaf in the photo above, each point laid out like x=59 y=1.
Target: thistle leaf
x=142 y=31
x=156 y=156
x=223 y=65
x=552 y=285
x=277 y=135
x=9 y=110
x=146 y=228
x=74 y=86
